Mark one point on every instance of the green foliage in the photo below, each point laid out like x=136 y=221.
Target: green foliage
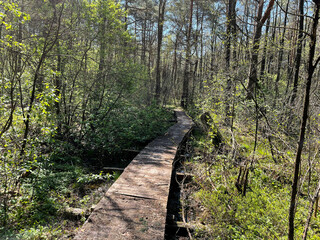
x=34 y=233
x=130 y=77
x=263 y=212
x=91 y=178
x=127 y=127
x=43 y=196
x=59 y=179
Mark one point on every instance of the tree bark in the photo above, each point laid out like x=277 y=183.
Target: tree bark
x=311 y=68
x=186 y=79
x=201 y=56
x=162 y=5
x=299 y=52
x=231 y=32
x=264 y=55
x=253 y=76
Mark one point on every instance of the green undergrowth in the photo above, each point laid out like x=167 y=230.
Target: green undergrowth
x=70 y=175
x=37 y=211
x=221 y=209
x=127 y=128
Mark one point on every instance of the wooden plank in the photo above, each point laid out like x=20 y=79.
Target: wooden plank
x=135 y=205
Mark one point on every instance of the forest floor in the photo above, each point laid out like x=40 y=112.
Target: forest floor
x=235 y=187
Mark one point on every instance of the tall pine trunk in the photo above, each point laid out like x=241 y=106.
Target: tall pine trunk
x=186 y=79
x=162 y=5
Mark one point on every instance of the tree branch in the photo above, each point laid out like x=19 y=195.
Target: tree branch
x=316 y=63
x=267 y=12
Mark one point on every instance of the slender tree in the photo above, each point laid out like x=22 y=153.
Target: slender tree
x=264 y=55
x=299 y=51
x=231 y=34
x=186 y=78
x=280 y=58
x=162 y=6
x=311 y=68
x=253 y=76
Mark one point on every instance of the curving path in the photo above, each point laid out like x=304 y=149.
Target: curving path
x=135 y=206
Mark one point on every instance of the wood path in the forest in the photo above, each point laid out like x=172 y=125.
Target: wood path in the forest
x=135 y=206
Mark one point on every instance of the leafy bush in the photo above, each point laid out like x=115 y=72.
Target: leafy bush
x=127 y=127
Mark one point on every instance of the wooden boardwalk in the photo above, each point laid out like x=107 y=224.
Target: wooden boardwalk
x=135 y=206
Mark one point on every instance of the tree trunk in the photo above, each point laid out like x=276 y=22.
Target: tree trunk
x=45 y=50
x=273 y=36
x=311 y=68
x=186 y=79
x=264 y=55
x=144 y=30
x=212 y=48
x=253 y=76
x=231 y=32
x=102 y=50
x=201 y=56
x=281 y=54
x=58 y=85
x=162 y=5
x=299 y=52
